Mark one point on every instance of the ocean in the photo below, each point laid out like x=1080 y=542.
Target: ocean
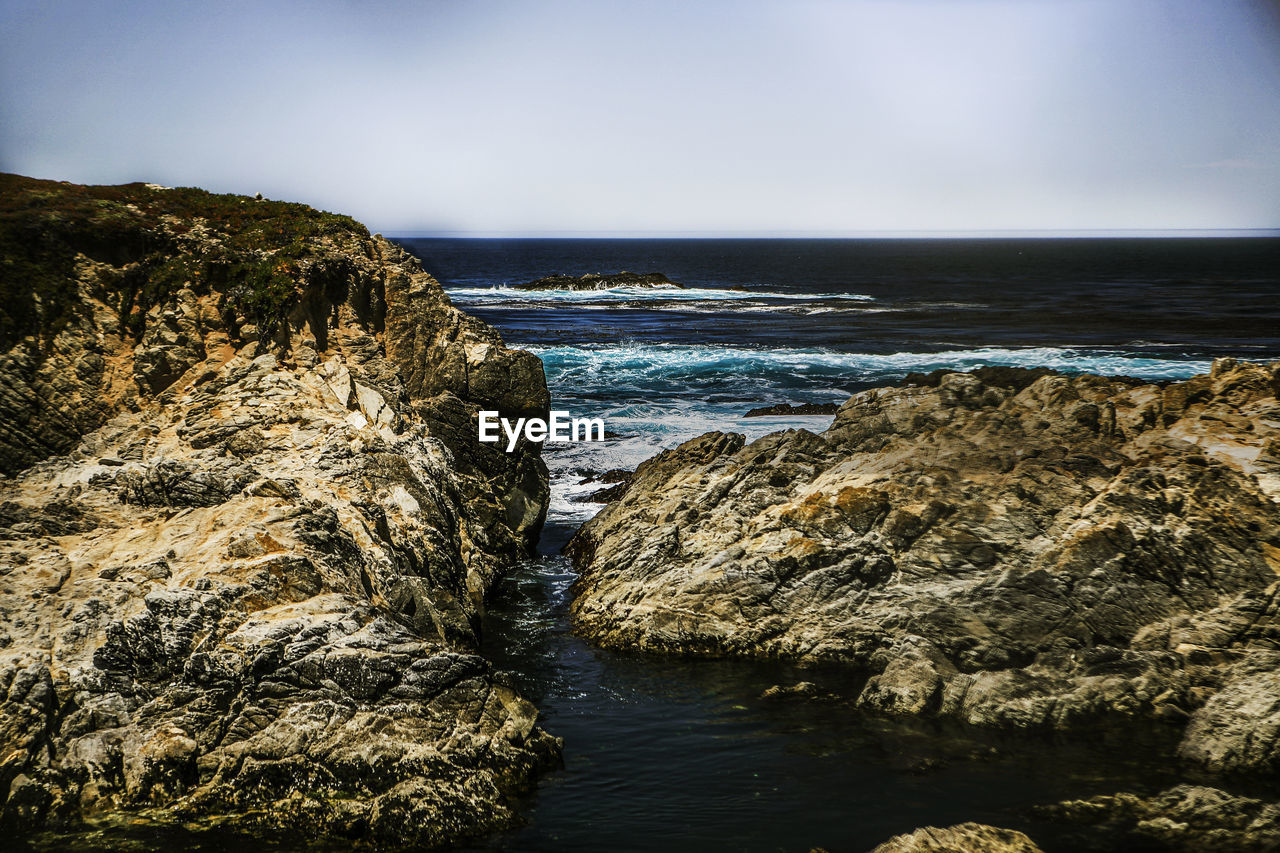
x=680 y=755
x=788 y=321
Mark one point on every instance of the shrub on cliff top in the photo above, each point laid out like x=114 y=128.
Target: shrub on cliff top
x=246 y=250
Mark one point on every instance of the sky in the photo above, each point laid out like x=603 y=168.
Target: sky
x=746 y=117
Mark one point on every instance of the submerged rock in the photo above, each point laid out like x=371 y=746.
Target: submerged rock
x=1047 y=552
x=242 y=569
x=600 y=281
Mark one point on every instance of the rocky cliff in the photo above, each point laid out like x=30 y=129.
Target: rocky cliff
x=1009 y=549
x=247 y=530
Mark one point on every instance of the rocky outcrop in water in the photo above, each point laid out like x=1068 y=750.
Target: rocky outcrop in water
x=958 y=839
x=600 y=281
x=614 y=481
x=1031 y=551
x=784 y=409
x=248 y=529
x=1188 y=818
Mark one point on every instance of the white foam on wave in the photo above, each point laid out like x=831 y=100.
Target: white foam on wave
x=511 y=295
x=605 y=362
x=656 y=395
x=647 y=431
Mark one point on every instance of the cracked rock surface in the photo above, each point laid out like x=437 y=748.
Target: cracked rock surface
x=243 y=558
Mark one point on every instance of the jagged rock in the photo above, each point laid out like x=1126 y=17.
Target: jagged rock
x=437 y=348
x=247 y=592
x=171 y=482
x=1048 y=551
x=616 y=479
x=600 y=281
x=172 y=344
x=962 y=838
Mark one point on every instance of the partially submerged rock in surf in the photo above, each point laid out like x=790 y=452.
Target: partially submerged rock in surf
x=785 y=409
x=613 y=475
x=600 y=281
x=616 y=482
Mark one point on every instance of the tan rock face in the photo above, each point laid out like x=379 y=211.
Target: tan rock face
x=250 y=592
x=1010 y=554
x=962 y=838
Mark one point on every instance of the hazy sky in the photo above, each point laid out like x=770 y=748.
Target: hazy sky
x=674 y=117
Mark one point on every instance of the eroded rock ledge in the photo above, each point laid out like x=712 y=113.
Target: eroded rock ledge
x=1042 y=554
x=248 y=530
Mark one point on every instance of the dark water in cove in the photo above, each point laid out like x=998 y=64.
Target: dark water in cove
x=677 y=755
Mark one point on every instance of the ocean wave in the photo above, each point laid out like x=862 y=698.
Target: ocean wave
x=654 y=396
x=512 y=295
x=753 y=308
x=645 y=430
x=609 y=364
x=692 y=300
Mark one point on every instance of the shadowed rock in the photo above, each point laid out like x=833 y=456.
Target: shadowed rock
x=1185 y=818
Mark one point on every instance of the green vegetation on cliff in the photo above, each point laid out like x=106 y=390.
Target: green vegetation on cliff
x=252 y=252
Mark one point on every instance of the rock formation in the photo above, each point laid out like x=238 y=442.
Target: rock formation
x=615 y=482
x=247 y=529
x=1031 y=551
x=600 y=281
x=1185 y=818
x=956 y=839
x=784 y=409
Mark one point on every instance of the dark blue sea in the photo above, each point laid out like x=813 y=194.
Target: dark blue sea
x=675 y=755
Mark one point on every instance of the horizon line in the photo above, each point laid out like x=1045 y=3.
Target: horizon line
x=887 y=234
